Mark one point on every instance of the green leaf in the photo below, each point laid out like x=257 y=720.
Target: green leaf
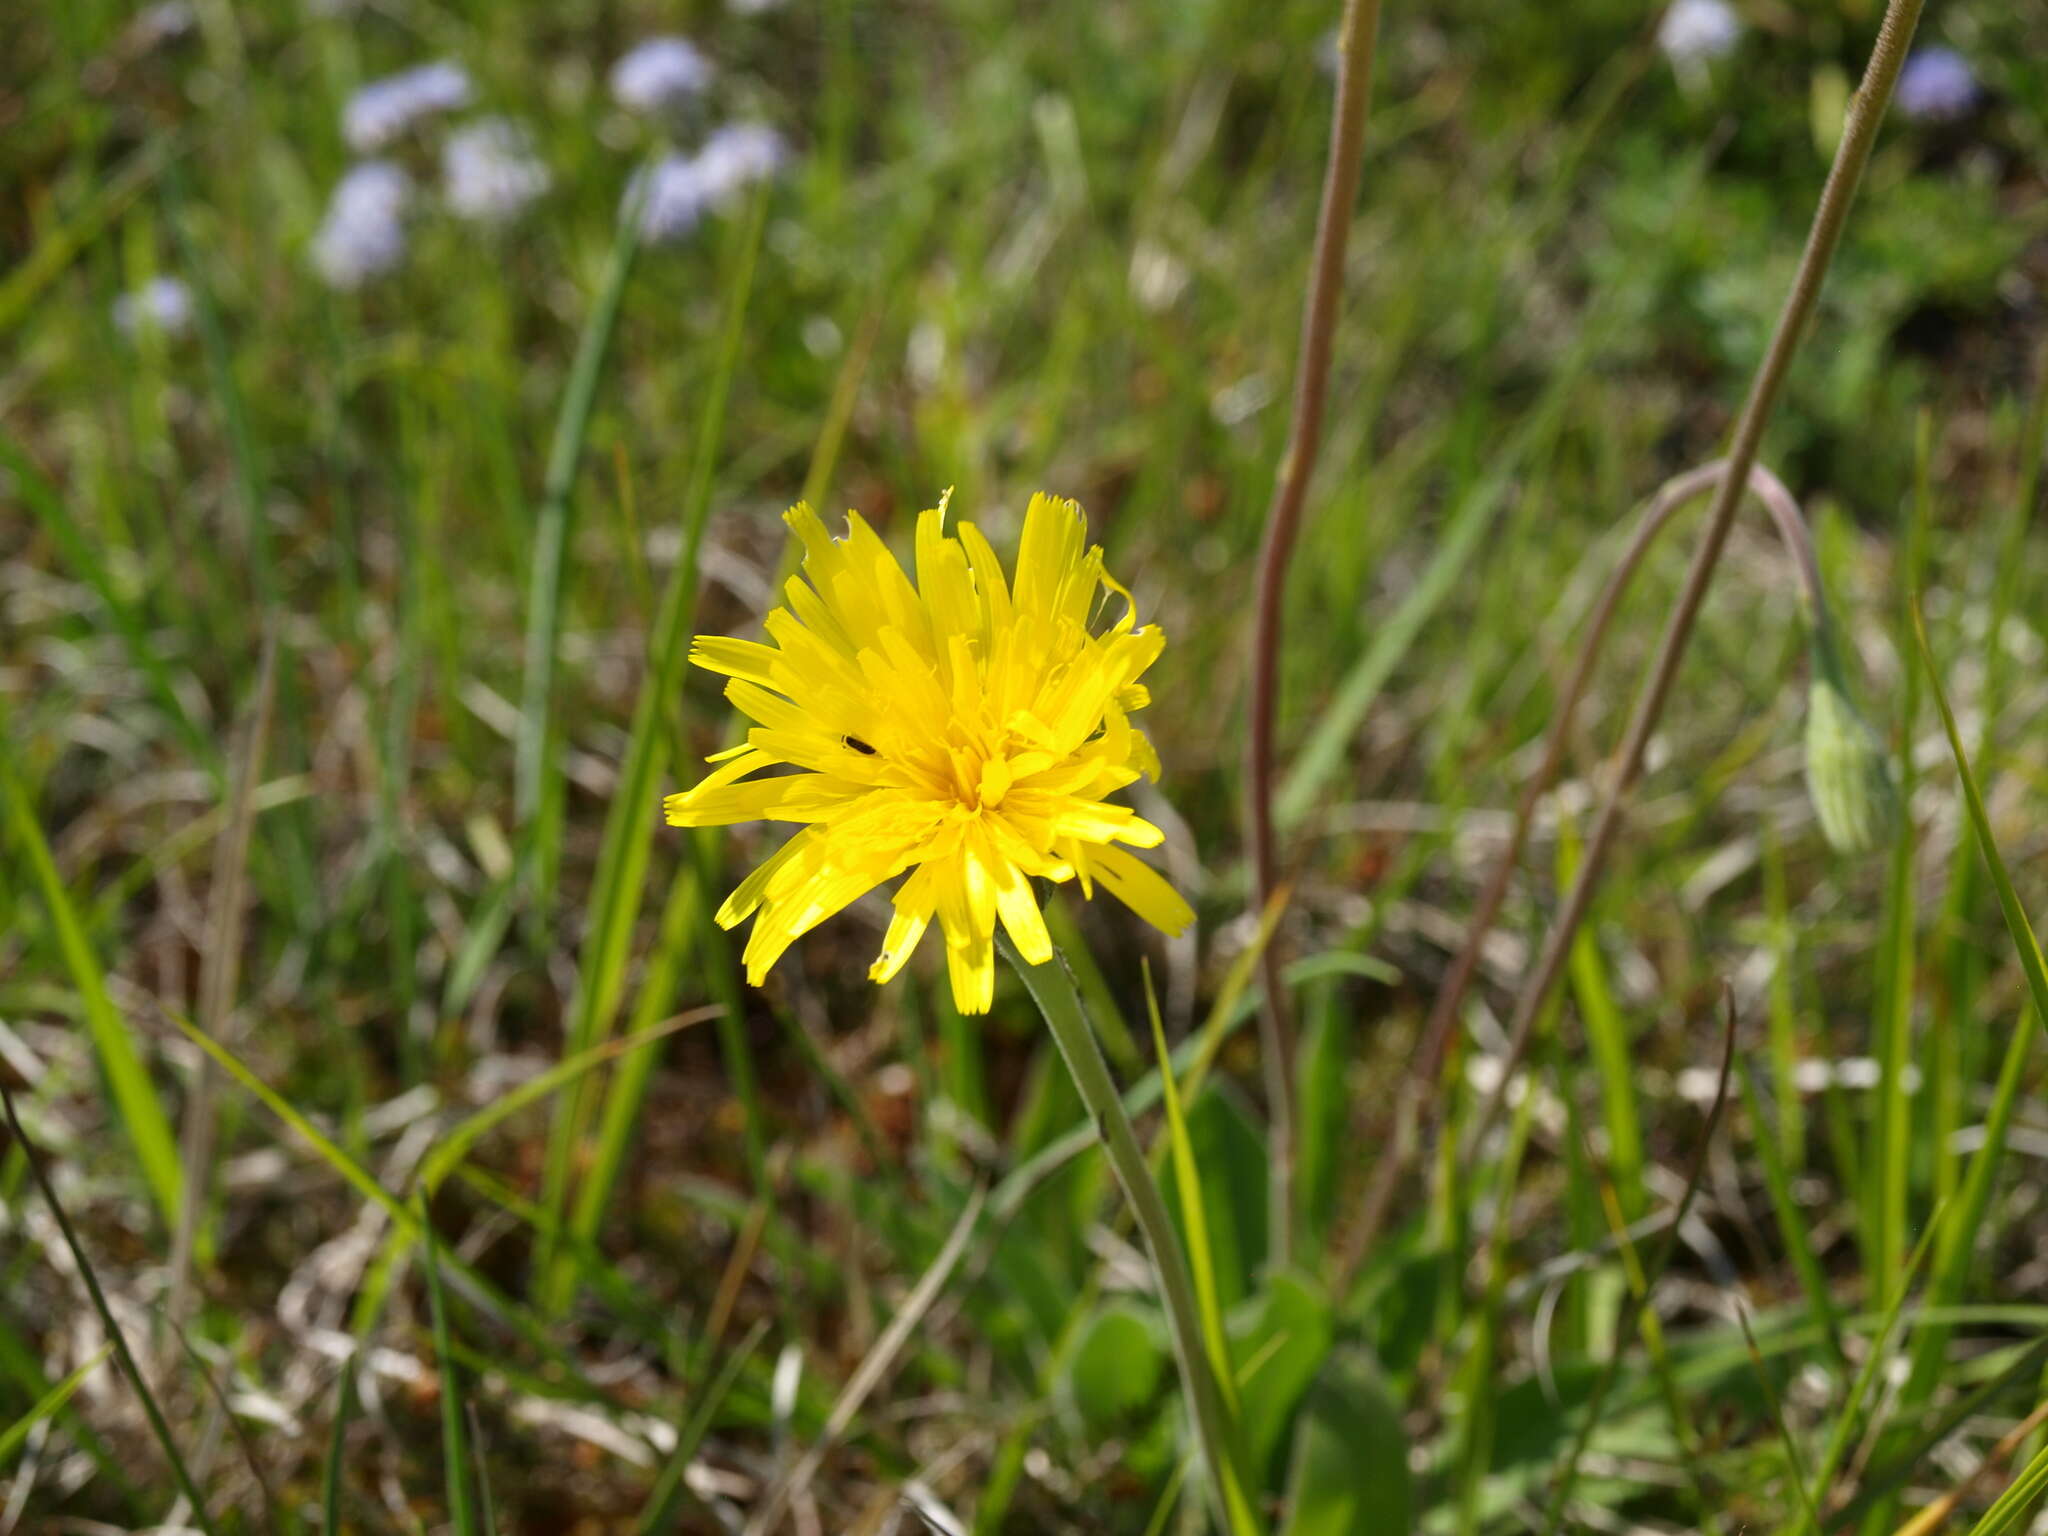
x=455 y=1457
x=1349 y=1474
x=136 y=1104
x=1282 y=1338
x=2016 y=923
x=1117 y=1366
x=1187 y=1183
x=455 y=1146
x=1323 y=1151
x=1231 y=1155
x=621 y=875
x=50 y=1402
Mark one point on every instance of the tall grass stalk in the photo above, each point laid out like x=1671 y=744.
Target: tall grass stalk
x=535 y=796
x=1357 y=43
x=1417 y=1103
x=133 y=1096
x=620 y=879
x=220 y=971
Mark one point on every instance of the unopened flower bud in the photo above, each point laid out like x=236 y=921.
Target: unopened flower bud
x=1848 y=774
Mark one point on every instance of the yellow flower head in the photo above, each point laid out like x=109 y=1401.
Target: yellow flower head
x=961 y=729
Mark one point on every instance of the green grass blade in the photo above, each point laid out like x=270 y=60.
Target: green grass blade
x=664 y=1505
x=119 y=1340
x=77 y=549
x=1323 y=753
x=1957 y=1249
x=454 y=1438
x=352 y=1172
x=1887 y=1479
x=1187 y=1181
x=549 y=571
x=1607 y=1036
x=1636 y=1313
x=359 y=1178
x=2016 y=923
x=454 y=1147
x=486 y=1507
x=49 y=1403
x=1791 y=1226
x=2018 y=1497
x=1781 y=1007
x=1891 y=1126
x=140 y=1111
x=337 y=1445
x=26 y=282
x=1795 y=1462
x=630 y=824
x=21 y=1366
x=1843 y=1434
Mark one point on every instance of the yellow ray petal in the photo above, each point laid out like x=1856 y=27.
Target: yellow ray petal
x=915 y=903
x=1141 y=888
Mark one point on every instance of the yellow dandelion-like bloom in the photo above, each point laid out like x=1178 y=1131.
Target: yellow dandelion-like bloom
x=962 y=729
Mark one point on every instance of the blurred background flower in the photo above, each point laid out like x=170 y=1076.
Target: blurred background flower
x=163 y=304
x=1937 y=85
x=489 y=171
x=660 y=76
x=382 y=111
x=1694 y=33
x=363 y=233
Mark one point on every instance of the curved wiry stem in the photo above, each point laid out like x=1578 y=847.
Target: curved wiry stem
x=1357 y=38
x=1414 y=1104
x=1859 y=133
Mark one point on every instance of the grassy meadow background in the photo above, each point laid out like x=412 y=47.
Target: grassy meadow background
x=1058 y=246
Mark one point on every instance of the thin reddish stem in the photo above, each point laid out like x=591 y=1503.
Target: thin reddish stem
x=1357 y=40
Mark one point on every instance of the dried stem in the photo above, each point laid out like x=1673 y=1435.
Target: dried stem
x=1866 y=112
x=220 y=971
x=1357 y=39
x=1415 y=1104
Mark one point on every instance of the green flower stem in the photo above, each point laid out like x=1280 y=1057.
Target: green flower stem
x=1052 y=987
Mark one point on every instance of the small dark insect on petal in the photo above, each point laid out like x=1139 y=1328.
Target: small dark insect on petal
x=858 y=745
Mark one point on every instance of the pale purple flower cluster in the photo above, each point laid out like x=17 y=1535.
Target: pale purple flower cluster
x=490 y=173
x=673 y=196
x=661 y=75
x=163 y=305
x=1694 y=33
x=159 y=24
x=1937 y=85
x=362 y=235
x=382 y=111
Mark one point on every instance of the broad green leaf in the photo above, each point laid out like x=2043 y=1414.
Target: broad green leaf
x=1117 y=1367
x=1281 y=1339
x=1349 y=1473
